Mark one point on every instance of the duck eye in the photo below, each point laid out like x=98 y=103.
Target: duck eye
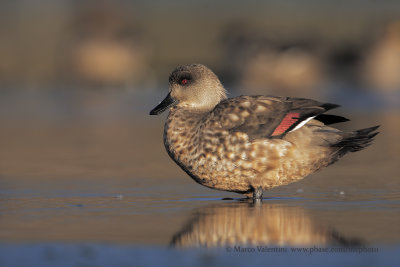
x=184 y=81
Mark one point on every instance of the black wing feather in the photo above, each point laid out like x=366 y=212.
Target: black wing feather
x=328 y=119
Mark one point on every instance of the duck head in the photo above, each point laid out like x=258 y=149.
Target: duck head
x=194 y=87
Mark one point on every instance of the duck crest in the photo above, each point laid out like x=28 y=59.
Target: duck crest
x=248 y=144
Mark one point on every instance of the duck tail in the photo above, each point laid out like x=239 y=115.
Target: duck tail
x=354 y=141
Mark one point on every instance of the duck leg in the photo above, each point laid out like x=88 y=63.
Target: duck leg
x=258 y=193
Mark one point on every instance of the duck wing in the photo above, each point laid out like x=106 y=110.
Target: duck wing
x=269 y=116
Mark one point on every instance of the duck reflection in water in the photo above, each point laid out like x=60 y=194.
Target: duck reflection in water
x=258 y=223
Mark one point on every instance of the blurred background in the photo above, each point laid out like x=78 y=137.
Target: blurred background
x=78 y=78
x=133 y=45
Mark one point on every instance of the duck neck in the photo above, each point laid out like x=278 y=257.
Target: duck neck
x=181 y=128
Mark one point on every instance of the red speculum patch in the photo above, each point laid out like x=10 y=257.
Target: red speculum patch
x=286 y=123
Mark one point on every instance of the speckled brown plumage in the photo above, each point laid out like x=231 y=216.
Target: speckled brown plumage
x=248 y=143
